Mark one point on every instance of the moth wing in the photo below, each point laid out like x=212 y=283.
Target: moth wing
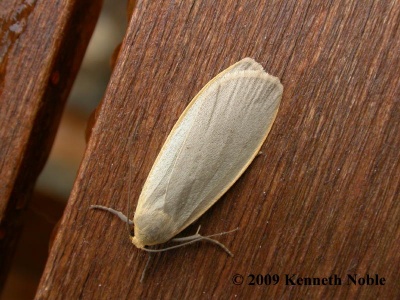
x=156 y=180
x=211 y=145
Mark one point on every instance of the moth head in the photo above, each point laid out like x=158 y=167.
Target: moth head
x=152 y=228
x=138 y=243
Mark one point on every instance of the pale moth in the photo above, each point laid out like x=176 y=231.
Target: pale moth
x=211 y=145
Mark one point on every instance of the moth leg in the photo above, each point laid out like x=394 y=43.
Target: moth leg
x=113 y=211
x=193 y=239
x=198 y=237
x=146 y=267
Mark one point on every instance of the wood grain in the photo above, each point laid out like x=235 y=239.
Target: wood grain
x=322 y=198
x=42 y=46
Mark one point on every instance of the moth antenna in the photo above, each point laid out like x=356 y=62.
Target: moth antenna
x=130 y=174
x=128 y=228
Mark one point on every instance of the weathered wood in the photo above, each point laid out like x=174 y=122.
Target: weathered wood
x=42 y=46
x=322 y=199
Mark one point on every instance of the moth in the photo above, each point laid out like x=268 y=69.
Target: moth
x=213 y=142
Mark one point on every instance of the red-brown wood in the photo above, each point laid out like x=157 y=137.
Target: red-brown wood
x=321 y=200
x=42 y=44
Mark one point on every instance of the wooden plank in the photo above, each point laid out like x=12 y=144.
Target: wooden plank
x=42 y=46
x=322 y=199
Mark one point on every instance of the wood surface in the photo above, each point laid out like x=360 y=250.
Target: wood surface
x=322 y=200
x=42 y=44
